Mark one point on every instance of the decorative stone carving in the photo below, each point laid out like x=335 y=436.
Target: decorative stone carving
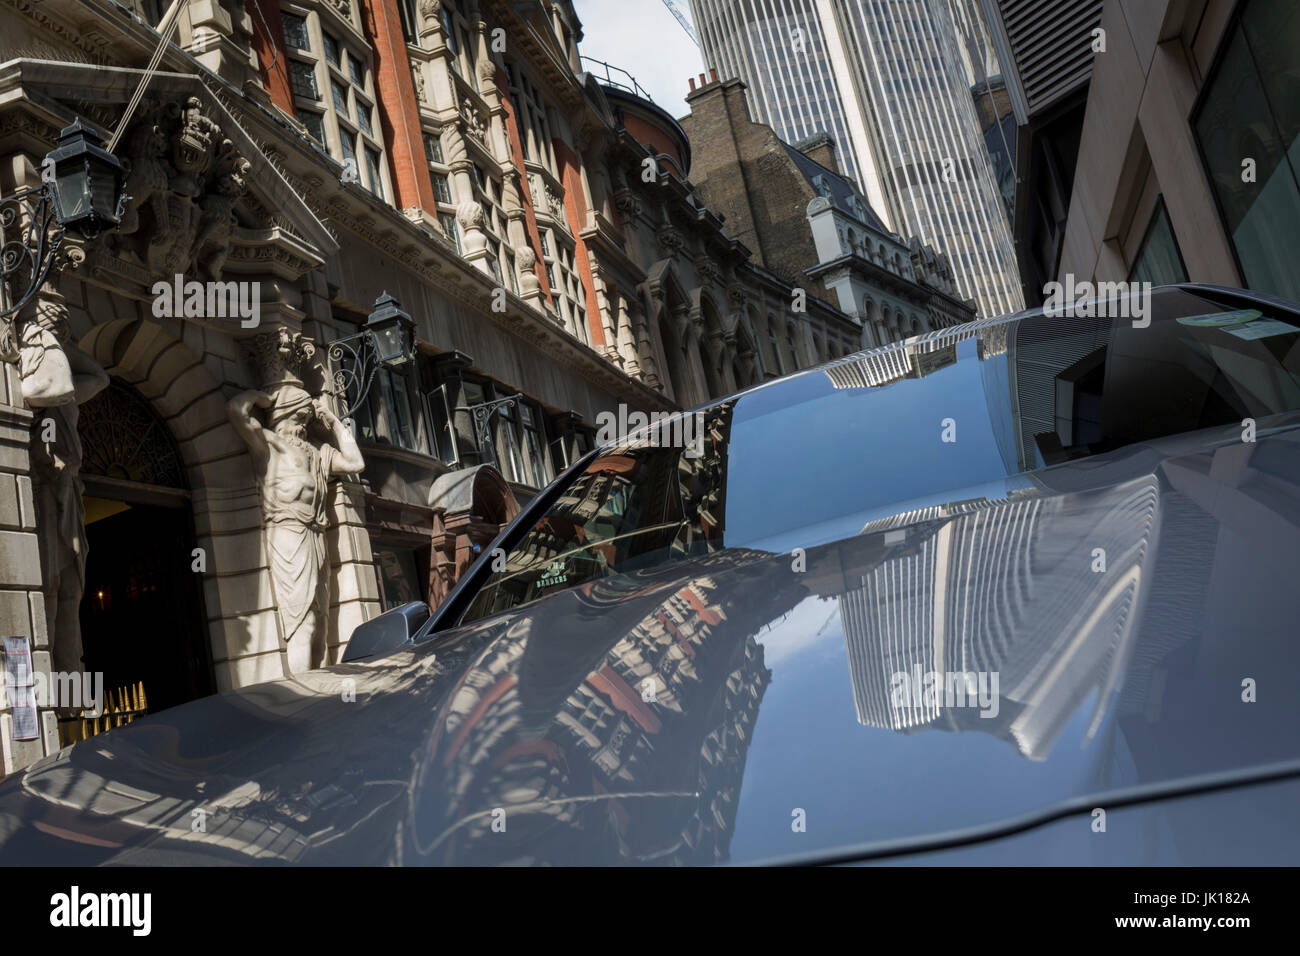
x=627 y=204
x=183 y=181
x=454 y=149
x=554 y=201
x=56 y=377
x=475 y=125
x=293 y=473
x=526 y=262
x=344 y=8
x=217 y=220
x=708 y=270
x=469 y=217
x=671 y=240
x=510 y=192
x=417 y=77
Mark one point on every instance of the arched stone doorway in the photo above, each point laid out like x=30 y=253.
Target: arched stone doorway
x=142 y=616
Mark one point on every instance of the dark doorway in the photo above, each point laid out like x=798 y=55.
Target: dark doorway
x=141 y=612
x=142 y=618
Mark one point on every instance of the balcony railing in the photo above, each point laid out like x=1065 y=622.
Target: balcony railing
x=616 y=77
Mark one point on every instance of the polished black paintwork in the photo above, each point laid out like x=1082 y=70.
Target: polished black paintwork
x=525 y=737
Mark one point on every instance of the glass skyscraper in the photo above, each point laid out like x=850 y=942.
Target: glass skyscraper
x=890 y=81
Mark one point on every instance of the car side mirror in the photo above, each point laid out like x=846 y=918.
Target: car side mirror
x=387 y=632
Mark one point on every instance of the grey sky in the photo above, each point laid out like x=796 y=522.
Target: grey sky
x=641 y=37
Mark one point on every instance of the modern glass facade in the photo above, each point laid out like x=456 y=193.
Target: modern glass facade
x=890 y=81
x=1248 y=127
x=778 y=49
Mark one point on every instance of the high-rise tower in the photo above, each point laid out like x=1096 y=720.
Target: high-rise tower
x=890 y=80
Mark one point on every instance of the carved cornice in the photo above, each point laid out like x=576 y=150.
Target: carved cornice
x=93 y=45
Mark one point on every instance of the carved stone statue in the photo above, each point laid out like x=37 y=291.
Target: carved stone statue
x=56 y=377
x=217 y=221
x=183 y=179
x=417 y=77
x=293 y=473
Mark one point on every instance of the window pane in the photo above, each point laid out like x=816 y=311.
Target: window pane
x=357 y=72
x=331 y=49
x=315 y=124
x=1262 y=216
x=512 y=462
x=398 y=577
x=448 y=221
x=340 y=99
x=295 y=32
x=433 y=148
x=441 y=189
x=373 y=171
x=440 y=421
x=363 y=118
x=1273 y=31
x=409 y=31
x=401 y=430
x=303 y=77
x=448 y=33
x=1158 y=261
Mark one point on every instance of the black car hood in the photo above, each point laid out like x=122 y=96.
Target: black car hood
x=1138 y=610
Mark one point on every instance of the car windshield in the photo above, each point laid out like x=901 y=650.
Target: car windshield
x=961 y=415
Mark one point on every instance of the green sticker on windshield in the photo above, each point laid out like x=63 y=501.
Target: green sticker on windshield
x=1243 y=323
x=1217 y=319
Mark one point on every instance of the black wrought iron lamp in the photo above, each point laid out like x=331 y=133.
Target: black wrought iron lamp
x=80 y=190
x=387 y=339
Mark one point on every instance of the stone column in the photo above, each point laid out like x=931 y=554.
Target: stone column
x=469 y=213
x=22 y=603
x=517 y=234
x=625 y=337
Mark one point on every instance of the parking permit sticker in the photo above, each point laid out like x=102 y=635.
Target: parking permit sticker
x=1243 y=323
x=1218 y=319
x=1260 y=329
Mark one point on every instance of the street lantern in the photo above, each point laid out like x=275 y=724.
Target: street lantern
x=387 y=339
x=84 y=181
x=80 y=190
x=392 y=331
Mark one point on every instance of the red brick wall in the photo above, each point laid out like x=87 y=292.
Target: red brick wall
x=575 y=208
x=649 y=135
x=525 y=191
x=271 y=58
x=398 y=108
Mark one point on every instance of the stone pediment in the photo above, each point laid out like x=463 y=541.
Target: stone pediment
x=204 y=199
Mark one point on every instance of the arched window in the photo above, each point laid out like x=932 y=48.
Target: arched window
x=774 y=343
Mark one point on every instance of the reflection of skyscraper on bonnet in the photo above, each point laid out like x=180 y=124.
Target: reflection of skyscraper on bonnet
x=972 y=595
x=892 y=83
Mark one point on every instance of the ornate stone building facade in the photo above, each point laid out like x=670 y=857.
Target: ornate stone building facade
x=298 y=160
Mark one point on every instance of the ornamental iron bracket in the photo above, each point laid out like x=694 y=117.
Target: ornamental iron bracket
x=482 y=414
x=354 y=359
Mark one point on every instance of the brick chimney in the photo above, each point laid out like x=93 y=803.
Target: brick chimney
x=820 y=148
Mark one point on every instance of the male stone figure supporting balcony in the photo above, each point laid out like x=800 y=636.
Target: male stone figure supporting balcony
x=293 y=474
x=57 y=377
